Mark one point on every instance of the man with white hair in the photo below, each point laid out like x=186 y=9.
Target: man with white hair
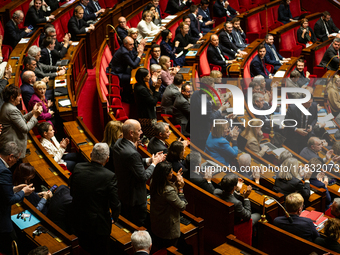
x=94 y=192
x=141 y=242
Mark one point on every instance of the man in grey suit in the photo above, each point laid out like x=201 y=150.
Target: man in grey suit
x=131 y=174
x=157 y=143
x=170 y=94
x=314 y=145
x=181 y=109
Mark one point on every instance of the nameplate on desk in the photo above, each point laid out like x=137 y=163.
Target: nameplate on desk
x=64 y=102
x=60 y=83
x=279 y=74
x=184 y=70
x=149 y=39
x=170 y=17
x=75 y=43
x=191 y=53
x=24 y=40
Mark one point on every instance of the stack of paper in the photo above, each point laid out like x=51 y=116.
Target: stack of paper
x=24 y=40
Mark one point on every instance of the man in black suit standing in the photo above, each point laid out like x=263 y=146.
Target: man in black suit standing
x=36 y=15
x=181 y=109
x=157 y=143
x=222 y=9
x=89 y=13
x=76 y=25
x=216 y=54
x=175 y=6
x=12 y=33
x=195 y=24
x=170 y=94
x=228 y=41
x=141 y=242
x=131 y=174
x=94 y=191
x=330 y=59
x=325 y=26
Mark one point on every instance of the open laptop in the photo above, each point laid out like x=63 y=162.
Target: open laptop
x=275 y=143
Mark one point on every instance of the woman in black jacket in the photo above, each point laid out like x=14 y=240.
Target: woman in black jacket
x=305 y=34
x=285 y=16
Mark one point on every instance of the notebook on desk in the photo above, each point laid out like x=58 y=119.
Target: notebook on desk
x=184 y=70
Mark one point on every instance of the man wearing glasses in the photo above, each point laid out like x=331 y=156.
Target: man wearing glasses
x=122 y=30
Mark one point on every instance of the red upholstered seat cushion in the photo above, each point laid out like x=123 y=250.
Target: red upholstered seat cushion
x=135 y=20
x=236 y=5
x=255 y=29
x=248 y=4
x=219 y=20
x=162 y=6
x=246 y=72
x=59 y=30
x=289 y=46
x=204 y=67
x=244 y=231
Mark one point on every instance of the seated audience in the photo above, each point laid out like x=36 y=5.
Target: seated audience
x=89 y=13
x=181 y=109
x=284 y=155
x=238 y=34
x=170 y=94
x=244 y=163
x=301 y=226
x=43 y=34
x=219 y=147
x=155 y=73
x=333 y=95
x=228 y=41
x=185 y=41
x=95 y=7
x=168 y=73
x=122 y=30
x=146 y=27
x=47 y=55
x=141 y=242
x=325 y=27
x=156 y=18
x=330 y=59
x=12 y=33
x=230 y=192
x=155 y=54
x=222 y=9
x=146 y=97
x=186 y=19
x=257 y=65
x=206 y=22
x=272 y=56
x=288 y=180
x=254 y=135
x=200 y=178
x=216 y=54
x=332 y=235
x=15 y=126
x=157 y=143
x=77 y=25
x=292 y=82
x=23 y=174
x=56 y=149
x=305 y=34
x=133 y=33
x=40 y=250
x=155 y=3
x=175 y=6
x=314 y=146
x=175 y=155
x=195 y=26
x=284 y=14
x=169 y=49
x=35 y=15
x=113 y=131
x=304 y=78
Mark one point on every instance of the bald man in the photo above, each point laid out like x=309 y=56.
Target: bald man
x=122 y=29
x=131 y=172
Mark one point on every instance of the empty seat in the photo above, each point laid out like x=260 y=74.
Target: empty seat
x=135 y=20
x=289 y=47
x=295 y=9
x=254 y=28
x=319 y=71
x=247 y=4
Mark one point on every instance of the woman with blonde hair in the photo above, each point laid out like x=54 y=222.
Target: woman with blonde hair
x=333 y=95
x=168 y=73
x=146 y=27
x=332 y=233
x=254 y=135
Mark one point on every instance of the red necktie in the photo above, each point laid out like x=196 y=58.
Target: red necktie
x=264 y=67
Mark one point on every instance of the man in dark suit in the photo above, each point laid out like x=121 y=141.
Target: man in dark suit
x=76 y=25
x=170 y=94
x=155 y=54
x=304 y=78
x=12 y=33
x=181 y=109
x=314 y=145
x=330 y=59
x=141 y=242
x=238 y=34
x=94 y=7
x=89 y=13
x=9 y=194
x=157 y=143
x=228 y=41
x=36 y=15
x=222 y=9
x=186 y=19
x=94 y=191
x=231 y=186
x=325 y=26
x=206 y=22
x=158 y=9
x=272 y=57
x=257 y=65
x=298 y=136
x=216 y=54
x=195 y=24
x=122 y=30
x=122 y=62
x=175 y=6
x=131 y=174
x=46 y=52
x=301 y=226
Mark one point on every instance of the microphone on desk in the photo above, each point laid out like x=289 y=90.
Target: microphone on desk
x=263 y=216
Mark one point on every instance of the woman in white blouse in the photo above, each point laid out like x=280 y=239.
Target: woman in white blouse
x=56 y=149
x=146 y=27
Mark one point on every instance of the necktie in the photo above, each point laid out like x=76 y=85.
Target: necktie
x=230 y=38
x=264 y=67
x=50 y=58
x=198 y=25
x=97 y=6
x=326 y=27
x=239 y=38
x=219 y=51
x=275 y=54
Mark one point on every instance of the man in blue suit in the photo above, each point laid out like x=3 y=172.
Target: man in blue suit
x=9 y=194
x=272 y=57
x=222 y=9
x=89 y=13
x=195 y=24
x=257 y=65
x=123 y=61
x=206 y=21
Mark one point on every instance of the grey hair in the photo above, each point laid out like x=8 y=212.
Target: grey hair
x=284 y=155
x=159 y=127
x=132 y=30
x=244 y=160
x=336 y=39
x=155 y=67
x=100 y=153
x=17 y=14
x=258 y=79
x=10 y=148
x=295 y=74
x=257 y=96
x=50 y=30
x=141 y=240
x=337 y=201
x=33 y=51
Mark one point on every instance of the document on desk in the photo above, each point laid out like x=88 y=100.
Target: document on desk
x=75 y=43
x=279 y=74
x=170 y=17
x=191 y=53
x=65 y=102
x=149 y=39
x=278 y=151
x=326 y=118
x=25 y=221
x=60 y=83
x=24 y=40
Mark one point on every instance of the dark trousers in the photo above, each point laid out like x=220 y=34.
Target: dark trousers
x=136 y=214
x=6 y=242
x=94 y=244
x=72 y=159
x=179 y=243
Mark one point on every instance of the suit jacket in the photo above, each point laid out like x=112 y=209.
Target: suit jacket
x=42 y=70
x=155 y=145
x=13 y=34
x=58 y=52
x=122 y=33
x=45 y=115
x=33 y=17
x=320 y=31
x=7 y=198
x=304 y=40
x=92 y=7
x=54 y=149
x=165 y=213
x=328 y=243
x=269 y=58
x=308 y=154
x=27 y=92
x=181 y=110
x=303 y=80
x=175 y=6
x=195 y=30
x=254 y=145
x=242 y=206
x=45 y=57
x=215 y=58
x=146 y=102
x=121 y=60
x=153 y=61
x=284 y=14
x=183 y=42
x=94 y=192
x=256 y=68
x=205 y=17
x=287 y=187
x=291 y=84
x=301 y=226
x=225 y=41
x=131 y=174
x=332 y=64
x=74 y=29
x=3 y=84
x=239 y=39
x=220 y=12
x=15 y=126
x=198 y=180
x=168 y=98
x=88 y=13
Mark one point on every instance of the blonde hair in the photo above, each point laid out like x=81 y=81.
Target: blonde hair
x=289 y=169
x=294 y=202
x=162 y=62
x=146 y=13
x=39 y=84
x=250 y=132
x=111 y=132
x=332 y=83
x=215 y=74
x=218 y=129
